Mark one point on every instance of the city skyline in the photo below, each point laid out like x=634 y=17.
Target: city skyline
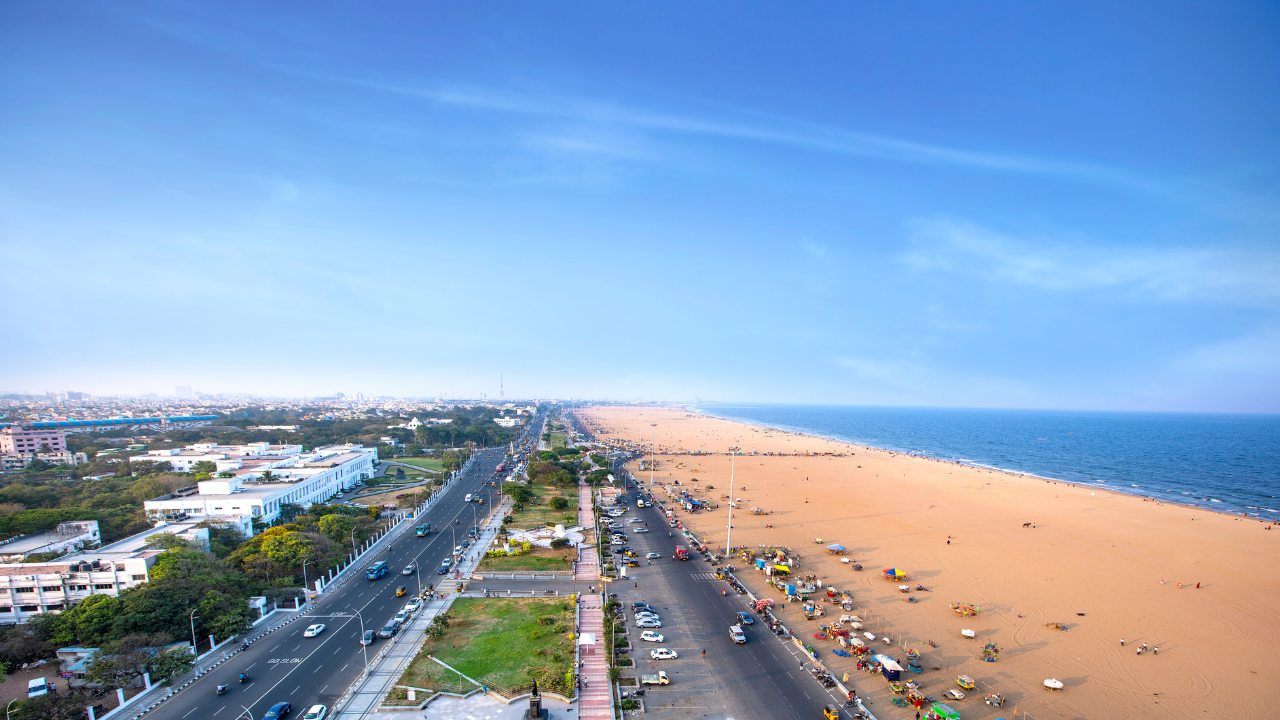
x=994 y=206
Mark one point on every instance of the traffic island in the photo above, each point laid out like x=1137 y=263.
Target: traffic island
x=504 y=644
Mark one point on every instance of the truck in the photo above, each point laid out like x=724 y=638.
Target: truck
x=682 y=553
x=659 y=679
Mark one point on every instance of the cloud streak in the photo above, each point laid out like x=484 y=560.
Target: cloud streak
x=1182 y=274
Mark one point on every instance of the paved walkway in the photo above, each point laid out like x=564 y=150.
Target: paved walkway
x=486 y=707
x=588 y=567
x=594 y=696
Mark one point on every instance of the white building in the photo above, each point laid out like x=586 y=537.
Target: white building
x=262 y=484
x=508 y=421
x=28 y=589
x=224 y=457
x=68 y=536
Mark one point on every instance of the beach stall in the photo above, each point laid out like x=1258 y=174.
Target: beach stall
x=942 y=711
x=889 y=667
x=894 y=574
x=781 y=569
x=837 y=549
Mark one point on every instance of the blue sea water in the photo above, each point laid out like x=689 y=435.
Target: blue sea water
x=1229 y=463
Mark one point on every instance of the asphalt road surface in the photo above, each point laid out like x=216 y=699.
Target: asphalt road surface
x=760 y=679
x=286 y=667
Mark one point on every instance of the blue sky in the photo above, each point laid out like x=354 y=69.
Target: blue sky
x=1068 y=205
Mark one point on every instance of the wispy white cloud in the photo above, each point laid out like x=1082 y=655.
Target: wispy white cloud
x=1239 y=276
x=754 y=128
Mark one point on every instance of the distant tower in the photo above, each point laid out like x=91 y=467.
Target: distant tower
x=502 y=394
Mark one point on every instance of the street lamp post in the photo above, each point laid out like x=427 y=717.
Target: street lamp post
x=363 y=647
x=193 y=632
x=653 y=438
x=306 y=560
x=728 y=542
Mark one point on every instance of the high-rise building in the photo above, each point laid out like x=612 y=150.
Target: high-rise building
x=182 y=391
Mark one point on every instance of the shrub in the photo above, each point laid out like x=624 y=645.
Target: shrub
x=559 y=503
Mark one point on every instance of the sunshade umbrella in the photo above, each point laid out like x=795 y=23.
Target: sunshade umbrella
x=837 y=548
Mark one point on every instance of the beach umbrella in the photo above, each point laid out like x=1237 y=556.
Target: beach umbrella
x=837 y=548
x=944 y=710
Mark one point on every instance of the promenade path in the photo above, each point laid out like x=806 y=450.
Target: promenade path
x=588 y=567
x=594 y=697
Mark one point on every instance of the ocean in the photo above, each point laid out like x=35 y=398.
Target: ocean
x=1227 y=463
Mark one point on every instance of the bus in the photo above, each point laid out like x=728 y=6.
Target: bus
x=377 y=570
x=423 y=530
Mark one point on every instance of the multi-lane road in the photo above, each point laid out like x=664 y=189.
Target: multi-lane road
x=283 y=666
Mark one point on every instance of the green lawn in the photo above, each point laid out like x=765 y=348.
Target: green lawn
x=500 y=642
x=536 y=559
x=424 y=463
x=541 y=512
x=557 y=440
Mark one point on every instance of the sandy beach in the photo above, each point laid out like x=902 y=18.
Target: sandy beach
x=1202 y=587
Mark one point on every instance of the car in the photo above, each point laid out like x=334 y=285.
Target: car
x=317 y=712
x=641 y=530
x=277 y=711
x=648 y=623
x=635 y=520
x=457 y=550
x=368 y=637
x=401 y=617
x=389 y=630
x=637 y=606
x=653 y=556
x=663 y=654
x=409 y=569
x=313 y=630
x=466 y=544
x=651 y=636
x=413 y=605
x=442 y=569
x=736 y=634
x=745 y=619
x=647 y=616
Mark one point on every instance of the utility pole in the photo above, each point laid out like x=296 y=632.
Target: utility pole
x=728 y=542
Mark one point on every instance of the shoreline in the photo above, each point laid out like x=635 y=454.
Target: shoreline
x=921 y=455
x=1060 y=571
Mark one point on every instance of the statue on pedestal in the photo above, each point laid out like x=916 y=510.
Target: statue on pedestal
x=536 y=711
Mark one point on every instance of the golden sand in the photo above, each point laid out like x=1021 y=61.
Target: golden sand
x=1106 y=565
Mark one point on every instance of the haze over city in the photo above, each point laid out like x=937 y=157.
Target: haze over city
x=1047 y=206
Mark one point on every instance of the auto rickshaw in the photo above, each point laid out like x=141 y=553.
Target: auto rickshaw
x=401 y=591
x=830 y=712
x=965 y=682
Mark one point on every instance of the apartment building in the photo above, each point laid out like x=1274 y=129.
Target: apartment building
x=28 y=589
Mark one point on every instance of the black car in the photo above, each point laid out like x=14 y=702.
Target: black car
x=278 y=711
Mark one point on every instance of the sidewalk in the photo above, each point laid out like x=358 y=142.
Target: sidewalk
x=594 y=697
x=588 y=567
x=388 y=665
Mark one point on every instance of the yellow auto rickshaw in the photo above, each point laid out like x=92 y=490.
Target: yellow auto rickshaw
x=830 y=712
x=400 y=591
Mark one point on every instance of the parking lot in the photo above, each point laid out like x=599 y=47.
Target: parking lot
x=761 y=678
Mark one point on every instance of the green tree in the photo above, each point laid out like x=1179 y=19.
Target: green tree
x=204 y=466
x=559 y=503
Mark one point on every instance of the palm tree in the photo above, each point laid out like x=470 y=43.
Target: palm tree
x=267 y=476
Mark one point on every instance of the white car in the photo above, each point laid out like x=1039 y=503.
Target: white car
x=317 y=712
x=650 y=636
x=648 y=623
x=663 y=654
x=653 y=556
x=409 y=569
x=640 y=614
x=641 y=530
x=413 y=605
x=635 y=520
x=313 y=630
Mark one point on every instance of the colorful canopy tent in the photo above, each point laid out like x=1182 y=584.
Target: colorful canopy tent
x=894 y=574
x=889 y=667
x=836 y=549
x=944 y=711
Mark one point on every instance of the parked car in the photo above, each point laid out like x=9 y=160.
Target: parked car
x=413 y=605
x=651 y=636
x=648 y=623
x=663 y=654
x=389 y=630
x=367 y=638
x=313 y=630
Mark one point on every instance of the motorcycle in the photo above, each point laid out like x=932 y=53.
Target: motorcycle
x=221 y=689
x=243 y=678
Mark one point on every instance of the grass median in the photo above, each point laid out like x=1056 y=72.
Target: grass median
x=536 y=559
x=505 y=643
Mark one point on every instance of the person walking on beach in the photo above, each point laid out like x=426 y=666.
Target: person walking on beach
x=1155 y=651
x=1121 y=642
